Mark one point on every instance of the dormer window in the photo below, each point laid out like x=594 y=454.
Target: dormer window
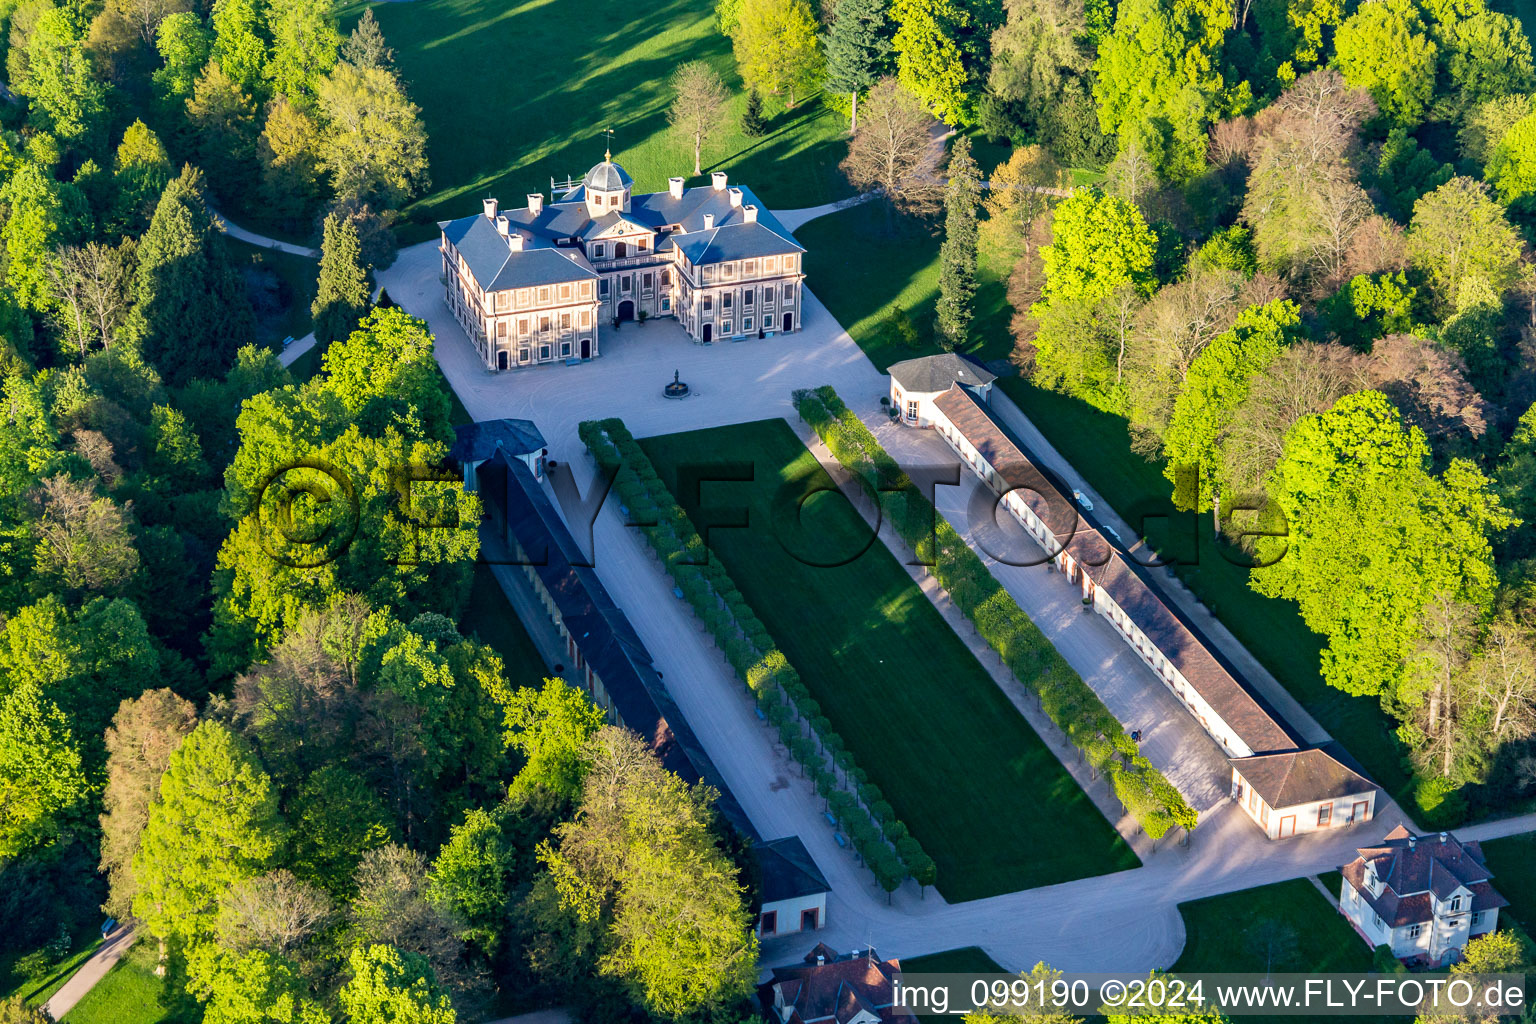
x=1455 y=904
x=599 y=250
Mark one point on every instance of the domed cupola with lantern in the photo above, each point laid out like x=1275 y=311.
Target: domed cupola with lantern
x=606 y=187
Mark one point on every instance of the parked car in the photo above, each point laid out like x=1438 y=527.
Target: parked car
x=1113 y=533
x=1083 y=500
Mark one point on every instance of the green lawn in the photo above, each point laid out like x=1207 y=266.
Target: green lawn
x=1513 y=862
x=489 y=617
x=36 y=991
x=858 y=263
x=962 y=768
x=1286 y=927
x=513 y=94
x=129 y=994
x=854 y=267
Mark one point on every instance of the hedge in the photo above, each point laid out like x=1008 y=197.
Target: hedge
x=749 y=649
x=1068 y=701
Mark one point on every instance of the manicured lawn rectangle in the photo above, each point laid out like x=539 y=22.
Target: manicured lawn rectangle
x=489 y=617
x=129 y=994
x=957 y=761
x=513 y=94
x=968 y=960
x=1513 y=863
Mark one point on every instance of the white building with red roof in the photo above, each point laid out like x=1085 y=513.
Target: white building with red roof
x=1424 y=896
x=833 y=988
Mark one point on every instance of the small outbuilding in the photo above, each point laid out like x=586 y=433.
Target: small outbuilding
x=474 y=443
x=915 y=383
x=794 y=891
x=1293 y=792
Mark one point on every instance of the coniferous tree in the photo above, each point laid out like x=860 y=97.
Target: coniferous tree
x=957 y=257
x=858 y=50
x=753 y=123
x=191 y=314
x=341 y=299
x=365 y=47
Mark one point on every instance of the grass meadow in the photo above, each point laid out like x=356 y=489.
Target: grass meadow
x=513 y=94
x=986 y=798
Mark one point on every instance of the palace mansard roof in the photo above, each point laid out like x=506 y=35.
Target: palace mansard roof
x=557 y=227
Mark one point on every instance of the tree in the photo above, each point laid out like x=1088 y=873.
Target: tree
x=184 y=45
x=1020 y=194
x=215 y=823
x=305 y=47
x=144 y=734
x=375 y=146
x=1372 y=538
x=1487 y=56
x=342 y=295
x=1384 y=48
x=393 y=907
x=640 y=857
x=929 y=62
x=699 y=106
x=141 y=170
x=1040 y=978
x=91 y=283
x=753 y=123
x=69 y=101
x=1512 y=163
x=1217 y=384
x=958 y=255
x=1157 y=81
x=190 y=314
x=1098 y=243
x=391 y=987
x=254 y=987
x=224 y=119
x=775 y=46
x=42 y=783
x=34 y=225
x=85 y=541
x=1041 y=59
x=471 y=875
x=1460 y=235
x=14 y=1010
x=550 y=727
x=238 y=46
x=276 y=912
x=365 y=47
x=337 y=819
x=858 y=50
x=1486 y=125
x=288 y=152
x=892 y=151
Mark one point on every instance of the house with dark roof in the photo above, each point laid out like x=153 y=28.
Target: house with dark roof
x=915 y=383
x=474 y=443
x=606 y=658
x=832 y=988
x=1423 y=896
x=1285 y=787
x=532 y=285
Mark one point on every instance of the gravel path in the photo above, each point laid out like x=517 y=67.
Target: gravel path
x=90 y=972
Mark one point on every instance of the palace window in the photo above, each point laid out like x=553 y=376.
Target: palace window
x=789 y=293
x=602 y=288
x=729 y=270
x=522 y=355
x=725 y=301
x=543 y=323
x=565 y=291
x=503 y=300
x=543 y=294
x=522 y=297
x=746 y=323
x=522 y=326
x=666 y=278
x=624 y=283
x=709 y=303
x=666 y=304
x=642 y=244
x=709 y=274
x=543 y=351
x=725 y=328
x=613 y=200
x=501 y=328
x=565 y=348
x=586 y=318
x=565 y=321
x=646 y=281
x=598 y=249
x=789 y=262
x=748 y=296
x=749 y=268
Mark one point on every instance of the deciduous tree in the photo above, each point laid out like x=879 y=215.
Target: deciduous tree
x=374 y=144
x=42 y=782
x=892 y=151
x=775 y=46
x=1098 y=243
x=392 y=987
x=305 y=47
x=1385 y=49
x=1459 y=235
x=929 y=61
x=91 y=283
x=699 y=109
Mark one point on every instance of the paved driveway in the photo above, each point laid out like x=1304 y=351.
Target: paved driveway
x=1123 y=921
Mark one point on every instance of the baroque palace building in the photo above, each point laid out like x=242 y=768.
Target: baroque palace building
x=532 y=286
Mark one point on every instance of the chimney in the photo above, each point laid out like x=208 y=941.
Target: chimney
x=709 y=221
x=675 y=187
x=1411 y=840
x=821 y=959
x=503 y=226
x=536 y=203
x=749 y=212
x=719 y=180
x=490 y=208
x=735 y=194
x=1442 y=837
x=515 y=240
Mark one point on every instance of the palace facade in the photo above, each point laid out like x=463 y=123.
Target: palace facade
x=535 y=285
